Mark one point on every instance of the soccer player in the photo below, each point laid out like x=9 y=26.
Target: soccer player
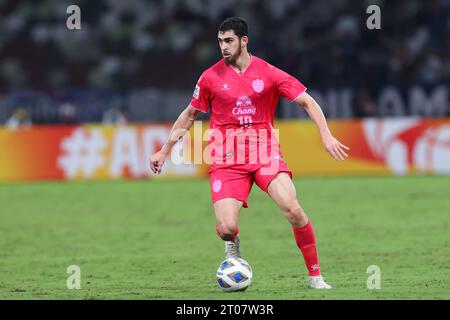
x=241 y=92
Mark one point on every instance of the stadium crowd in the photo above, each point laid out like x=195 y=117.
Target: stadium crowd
x=135 y=44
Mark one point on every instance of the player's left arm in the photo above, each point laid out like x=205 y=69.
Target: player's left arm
x=330 y=143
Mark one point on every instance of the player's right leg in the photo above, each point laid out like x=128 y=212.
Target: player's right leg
x=230 y=188
x=227 y=214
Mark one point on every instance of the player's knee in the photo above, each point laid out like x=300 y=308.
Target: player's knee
x=226 y=231
x=295 y=215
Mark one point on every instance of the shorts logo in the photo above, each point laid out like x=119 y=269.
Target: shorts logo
x=196 y=92
x=278 y=157
x=258 y=85
x=217 y=185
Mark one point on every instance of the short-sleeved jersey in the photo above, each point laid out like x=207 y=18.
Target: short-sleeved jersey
x=243 y=102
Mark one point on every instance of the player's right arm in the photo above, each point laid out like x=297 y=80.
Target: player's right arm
x=200 y=102
x=180 y=127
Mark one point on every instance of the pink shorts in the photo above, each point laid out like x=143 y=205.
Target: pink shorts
x=236 y=181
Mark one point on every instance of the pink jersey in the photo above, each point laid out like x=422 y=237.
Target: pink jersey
x=243 y=104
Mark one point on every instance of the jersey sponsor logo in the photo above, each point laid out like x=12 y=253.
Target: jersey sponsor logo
x=225 y=86
x=244 y=105
x=196 y=91
x=217 y=185
x=258 y=85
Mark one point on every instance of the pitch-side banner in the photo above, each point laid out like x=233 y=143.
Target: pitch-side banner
x=378 y=146
x=385 y=146
x=85 y=152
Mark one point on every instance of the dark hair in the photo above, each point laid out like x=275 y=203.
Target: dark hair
x=238 y=25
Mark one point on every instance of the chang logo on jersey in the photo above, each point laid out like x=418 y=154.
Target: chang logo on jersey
x=244 y=105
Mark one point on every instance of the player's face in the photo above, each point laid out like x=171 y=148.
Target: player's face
x=230 y=45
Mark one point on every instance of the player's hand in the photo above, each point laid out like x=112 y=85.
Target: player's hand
x=335 y=148
x=157 y=161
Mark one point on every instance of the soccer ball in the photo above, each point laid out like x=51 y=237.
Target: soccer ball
x=234 y=274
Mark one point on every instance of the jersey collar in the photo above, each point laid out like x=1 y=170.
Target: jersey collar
x=241 y=73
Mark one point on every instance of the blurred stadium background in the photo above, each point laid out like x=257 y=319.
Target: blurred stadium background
x=93 y=104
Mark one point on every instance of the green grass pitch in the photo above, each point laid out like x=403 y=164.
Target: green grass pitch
x=156 y=240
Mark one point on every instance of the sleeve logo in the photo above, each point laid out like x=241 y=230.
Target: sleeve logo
x=196 y=91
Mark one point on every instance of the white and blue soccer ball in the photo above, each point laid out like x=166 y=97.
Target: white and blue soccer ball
x=234 y=274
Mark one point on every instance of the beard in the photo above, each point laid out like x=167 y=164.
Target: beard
x=232 y=58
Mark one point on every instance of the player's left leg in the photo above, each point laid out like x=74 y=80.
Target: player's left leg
x=282 y=190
